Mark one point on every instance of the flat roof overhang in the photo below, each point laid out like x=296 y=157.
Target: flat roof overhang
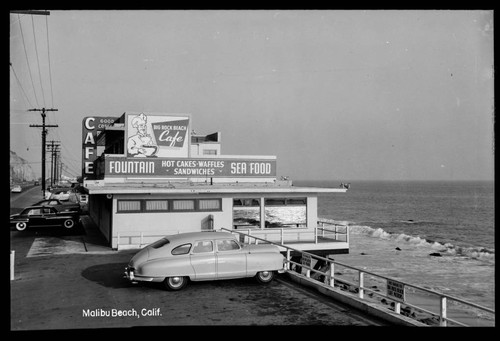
x=207 y=189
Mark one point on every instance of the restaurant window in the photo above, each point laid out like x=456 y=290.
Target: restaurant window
x=183 y=205
x=285 y=212
x=246 y=212
x=209 y=205
x=156 y=205
x=129 y=205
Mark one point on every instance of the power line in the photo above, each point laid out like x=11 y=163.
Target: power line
x=48 y=54
x=72 y=166
x=20 y=85
x=27 y=60
x=37 y=59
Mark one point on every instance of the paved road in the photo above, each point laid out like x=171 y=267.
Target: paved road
x=28 y=196
x=68 y=290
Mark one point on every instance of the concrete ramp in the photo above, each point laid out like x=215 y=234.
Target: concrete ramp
x=46 y=246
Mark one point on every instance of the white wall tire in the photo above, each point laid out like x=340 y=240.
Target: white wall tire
x=69 y=223
x=264 y=277
x=175 y=283
x=21 y=226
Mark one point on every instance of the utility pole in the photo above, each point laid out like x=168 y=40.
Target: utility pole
x=44 y=136
x=53 y=150
x=61 y=170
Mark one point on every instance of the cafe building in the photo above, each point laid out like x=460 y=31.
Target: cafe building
x=150 y=174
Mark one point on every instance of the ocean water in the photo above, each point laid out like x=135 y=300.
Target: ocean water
x=395 y=226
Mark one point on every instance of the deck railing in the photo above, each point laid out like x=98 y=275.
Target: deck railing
x=135 y=240
x=395 y=289
x=281 y=235
x=296 y=235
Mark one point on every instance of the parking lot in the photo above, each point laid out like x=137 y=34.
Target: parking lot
x=65 y=280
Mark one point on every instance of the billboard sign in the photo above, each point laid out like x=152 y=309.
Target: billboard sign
x=189 y=167
x=157 y=135
x=92 y=127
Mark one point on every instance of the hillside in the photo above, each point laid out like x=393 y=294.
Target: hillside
x=20 y=169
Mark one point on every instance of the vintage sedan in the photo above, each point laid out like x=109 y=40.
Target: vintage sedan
x=44 y=216
x=203 y=256
x=62 y=194
x=16 y=189
x=60 y=205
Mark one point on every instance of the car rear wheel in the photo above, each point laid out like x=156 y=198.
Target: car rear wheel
x=68 y=223
x=21 y=226
x=175 y=283
x=264 y=277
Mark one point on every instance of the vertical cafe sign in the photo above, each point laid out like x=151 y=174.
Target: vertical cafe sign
x=92 y=127
x=156 y=135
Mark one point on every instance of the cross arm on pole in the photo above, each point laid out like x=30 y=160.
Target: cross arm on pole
x=44 y=126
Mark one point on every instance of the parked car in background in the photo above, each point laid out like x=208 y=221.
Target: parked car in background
x=60 y=205
x=44 y=216
x=16 y=189
x=62 y=194
x=203 y=256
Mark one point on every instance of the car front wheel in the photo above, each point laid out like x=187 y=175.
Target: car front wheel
x=175 y=283
x=21 y=226
x=69 y=223
x=265 y=277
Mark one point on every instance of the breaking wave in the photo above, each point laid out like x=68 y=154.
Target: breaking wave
x=480 y=253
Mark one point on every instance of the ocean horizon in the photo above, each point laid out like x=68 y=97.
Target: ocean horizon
x=395 y=226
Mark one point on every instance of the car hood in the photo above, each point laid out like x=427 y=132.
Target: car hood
x=260 y=248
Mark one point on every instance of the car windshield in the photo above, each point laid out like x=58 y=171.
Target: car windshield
x=159 y=243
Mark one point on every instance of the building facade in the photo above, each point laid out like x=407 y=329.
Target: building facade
x=149 y=175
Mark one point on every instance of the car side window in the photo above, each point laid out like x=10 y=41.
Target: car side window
x=203 y=246
x=48 y=211
x=181 y=249
x=35 y=212
x=227 y=245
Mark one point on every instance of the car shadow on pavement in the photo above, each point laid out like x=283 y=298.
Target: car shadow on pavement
x=109 y=275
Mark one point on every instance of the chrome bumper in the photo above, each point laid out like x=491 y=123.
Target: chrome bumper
x=130 y=275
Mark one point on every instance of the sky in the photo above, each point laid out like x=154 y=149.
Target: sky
x=338 y=95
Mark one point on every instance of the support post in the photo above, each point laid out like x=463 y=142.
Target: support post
x=442 y=316
x=12 y=263
x=288 y=258
x=361 y=284
x=332 y=279
x=397 y=308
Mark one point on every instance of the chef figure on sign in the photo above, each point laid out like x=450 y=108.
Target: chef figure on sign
x=141 y=144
